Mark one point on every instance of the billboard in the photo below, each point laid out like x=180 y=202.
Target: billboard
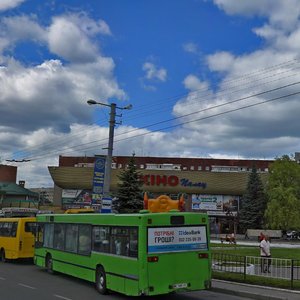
x=217 y=203
x=176 y=239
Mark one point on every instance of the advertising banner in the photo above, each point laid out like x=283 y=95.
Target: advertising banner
x=207 y=202
x=98 y=179
x=76 y=198
x=221 y=204
x=177 y=239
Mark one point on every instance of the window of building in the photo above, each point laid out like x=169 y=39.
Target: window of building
x=192 y=168
x=199 y=168
x=120 y=166
x=207 y=168
x=142 y=166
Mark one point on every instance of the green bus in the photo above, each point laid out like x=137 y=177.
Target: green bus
x=134 y=254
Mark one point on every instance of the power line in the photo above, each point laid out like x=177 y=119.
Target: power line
x=285 y=64
x=187 y=122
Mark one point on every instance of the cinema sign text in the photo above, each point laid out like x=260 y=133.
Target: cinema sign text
x=172 y=180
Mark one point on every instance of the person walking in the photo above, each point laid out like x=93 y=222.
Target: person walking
x=265 y=254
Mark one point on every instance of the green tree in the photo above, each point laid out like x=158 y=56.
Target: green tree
x=283 y=192
x=129 y=197
x=253 y=204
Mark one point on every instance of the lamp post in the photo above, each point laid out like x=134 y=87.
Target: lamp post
x=112 y=123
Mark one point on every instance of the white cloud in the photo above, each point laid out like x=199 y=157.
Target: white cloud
x=280 y=13
x=67 y=40
x=191 y=48
x=220 y=61
x=45 y=104
x=9 y=4
x=193 y=83
x=153 y=72
x=23 y=27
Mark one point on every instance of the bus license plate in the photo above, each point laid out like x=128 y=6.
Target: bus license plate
x=179 y=285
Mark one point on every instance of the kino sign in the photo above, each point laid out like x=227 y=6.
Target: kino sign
x=172 y=181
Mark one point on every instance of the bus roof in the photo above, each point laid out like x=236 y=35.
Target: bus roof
x=18 y=212
x=172 y=218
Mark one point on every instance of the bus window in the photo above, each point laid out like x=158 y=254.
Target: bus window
x=59 y=236
x=48 y=235
x=133 y=243
x=39 y=235
x=30 y=227
x=84 y=246
x=101 y=236
x=124 y=241
x=14 y=228
x=5 y=229
x=71 y=238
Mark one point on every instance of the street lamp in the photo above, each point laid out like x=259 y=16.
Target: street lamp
x=112 y=122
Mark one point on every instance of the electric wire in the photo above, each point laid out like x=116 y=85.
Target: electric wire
x=182 y=123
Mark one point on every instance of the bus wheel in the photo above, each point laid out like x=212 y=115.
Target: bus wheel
x=101 y=281
x=49 y=264
x=2 y=255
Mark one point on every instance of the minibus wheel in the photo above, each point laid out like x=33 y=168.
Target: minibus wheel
x=2 y=255
x=101 y=281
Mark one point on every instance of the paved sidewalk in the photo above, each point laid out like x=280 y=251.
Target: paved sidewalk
x=253 y=291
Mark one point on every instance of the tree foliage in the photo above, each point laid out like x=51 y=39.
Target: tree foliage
x=129 y=197
x=283 y=192
x=253 y=204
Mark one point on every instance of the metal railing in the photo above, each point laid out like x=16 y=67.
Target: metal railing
x=277 y=268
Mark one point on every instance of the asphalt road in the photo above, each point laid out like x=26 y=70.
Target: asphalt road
x=24 y=281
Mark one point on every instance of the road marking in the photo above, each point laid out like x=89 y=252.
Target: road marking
x=62 y=297
x=27 y=286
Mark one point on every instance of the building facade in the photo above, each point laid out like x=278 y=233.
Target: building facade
x=214 y=186
x=211 y=185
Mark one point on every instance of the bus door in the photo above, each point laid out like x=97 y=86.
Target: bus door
x=174 y=258
x=27 y=239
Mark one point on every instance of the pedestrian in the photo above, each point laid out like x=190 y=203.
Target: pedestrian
x=265 y=254
x=261 y=237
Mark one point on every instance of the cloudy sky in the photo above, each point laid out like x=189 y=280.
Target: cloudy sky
x=206 y=78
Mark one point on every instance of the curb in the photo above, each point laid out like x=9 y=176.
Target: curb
x=262 y=293
x=246 y=294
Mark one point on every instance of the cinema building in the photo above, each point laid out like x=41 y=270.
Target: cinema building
x=210 y=185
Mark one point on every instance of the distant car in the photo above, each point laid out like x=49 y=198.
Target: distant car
x=292 y=235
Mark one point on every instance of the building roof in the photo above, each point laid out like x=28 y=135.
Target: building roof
x=188 y=182
x=10 y=188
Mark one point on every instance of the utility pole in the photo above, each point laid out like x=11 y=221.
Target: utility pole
x=112 y=123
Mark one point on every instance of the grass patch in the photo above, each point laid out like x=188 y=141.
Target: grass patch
x=256 y=280
x=241 y=251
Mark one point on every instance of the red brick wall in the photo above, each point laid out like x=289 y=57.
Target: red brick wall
x=8 y=173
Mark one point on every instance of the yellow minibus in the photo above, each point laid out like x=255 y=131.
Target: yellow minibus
x=17 y=238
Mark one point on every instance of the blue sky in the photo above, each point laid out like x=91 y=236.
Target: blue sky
x=214 y=78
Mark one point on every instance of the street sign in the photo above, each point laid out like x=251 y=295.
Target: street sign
x=98 y=179
x=106 y=205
